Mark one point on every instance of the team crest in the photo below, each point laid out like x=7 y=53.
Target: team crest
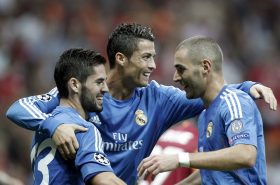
x=100 y=158
x=209 y=129
x=236 y=126
x=141 y=118
x=44 y=97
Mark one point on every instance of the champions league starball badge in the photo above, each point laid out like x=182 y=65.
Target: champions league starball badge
x=44 y=97
x=100 y=158
x=141 y=118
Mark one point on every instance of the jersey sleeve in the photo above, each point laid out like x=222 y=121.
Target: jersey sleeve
x=238 y=115
x=32 y=112
x=175 y=106
x=90 y=158
x=244 y=86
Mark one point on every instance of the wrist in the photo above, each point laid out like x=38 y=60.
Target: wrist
x=184 y=159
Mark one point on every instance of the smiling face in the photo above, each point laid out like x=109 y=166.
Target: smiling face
x=141 y=64
x=189 y=74
x=93 y=89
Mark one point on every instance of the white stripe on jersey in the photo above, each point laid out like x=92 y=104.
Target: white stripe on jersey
x=53 y=92
x=29 y=107
x=96 y=139
x=233 y=104
x=28 y=104
x=100 y=141
x=237 y=101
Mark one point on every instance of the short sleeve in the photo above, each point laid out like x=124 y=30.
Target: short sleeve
x=90 y=158
x=238 y=114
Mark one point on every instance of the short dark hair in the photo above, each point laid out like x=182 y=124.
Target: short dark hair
x=125 y=38
x=202 y=47
x=77 y=63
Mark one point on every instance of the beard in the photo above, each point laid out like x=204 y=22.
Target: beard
x=88 y=101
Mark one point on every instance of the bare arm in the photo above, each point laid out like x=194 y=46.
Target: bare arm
x=193 y=179
x=105 y=178
x=239 y=156
x=244 y=157
x=260 y=91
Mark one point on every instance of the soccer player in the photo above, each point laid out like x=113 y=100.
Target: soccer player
x=135 y=113
x=80 y=79
x=231 y=139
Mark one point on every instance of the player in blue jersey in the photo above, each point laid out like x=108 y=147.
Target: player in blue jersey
x=231 y=139
x=80 y=79
x=135 y=113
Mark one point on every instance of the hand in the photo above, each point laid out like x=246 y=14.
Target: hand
x=65 y=139
x=260 y=91
x=155 y=164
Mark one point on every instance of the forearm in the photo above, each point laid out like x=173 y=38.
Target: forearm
x=193 y=179
x=31 y=112
x=239 y=156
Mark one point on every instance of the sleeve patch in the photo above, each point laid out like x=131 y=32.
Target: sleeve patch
x=100 y=158
x=240 y=136
x=236 y=126
x=44 y=97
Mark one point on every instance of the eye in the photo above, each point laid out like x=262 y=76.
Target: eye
x=100 y=82
x=180 y=70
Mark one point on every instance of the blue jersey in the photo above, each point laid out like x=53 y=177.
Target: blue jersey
x=129 y=128
x=231 y=119
x=50 y=168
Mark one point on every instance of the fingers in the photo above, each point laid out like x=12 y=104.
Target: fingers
x=78 y=128
x=66 y=141
x=148 y=167
x=269 y=98
x=261 y=91
x=62 y=153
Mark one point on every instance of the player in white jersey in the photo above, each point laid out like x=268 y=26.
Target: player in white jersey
x=135 y=113
x=231 y=140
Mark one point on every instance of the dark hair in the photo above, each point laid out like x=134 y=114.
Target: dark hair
x=125 y=38
x=75 y=63
x=200 y=48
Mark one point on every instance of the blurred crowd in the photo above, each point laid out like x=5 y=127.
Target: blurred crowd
x=34 y=33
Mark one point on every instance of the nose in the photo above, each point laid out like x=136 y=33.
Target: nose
x=152 y=64
x=105 y=88
x=176 y=77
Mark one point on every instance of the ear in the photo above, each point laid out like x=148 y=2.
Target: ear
x=207 y=66
x=74 y=85
x=120 y=58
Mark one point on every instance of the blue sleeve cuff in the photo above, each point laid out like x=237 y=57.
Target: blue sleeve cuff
x=247 y=86
x=89 y=170
x=49 y=126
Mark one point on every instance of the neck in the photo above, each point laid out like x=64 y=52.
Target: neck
x=214 y=86
x=119 y=87
x=74 y=102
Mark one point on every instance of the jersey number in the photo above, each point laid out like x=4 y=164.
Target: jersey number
x=43 y=163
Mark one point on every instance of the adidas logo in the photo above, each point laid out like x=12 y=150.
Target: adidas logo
x=95 y=119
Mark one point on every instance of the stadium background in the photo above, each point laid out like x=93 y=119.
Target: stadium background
x=34 y=33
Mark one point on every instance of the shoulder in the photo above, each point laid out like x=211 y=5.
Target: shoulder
x=155 y=87
x=234 y=96
x=234 y=102
x=69 y=115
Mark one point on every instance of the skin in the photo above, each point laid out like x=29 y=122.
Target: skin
x=200 y=80
x=132 y=72
x=129 y=74
x=80 y=94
